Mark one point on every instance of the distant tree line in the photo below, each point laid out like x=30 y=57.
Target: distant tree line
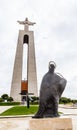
x=64 y=100
x=35 y=100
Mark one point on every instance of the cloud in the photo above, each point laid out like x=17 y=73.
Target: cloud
x=70 y=90
x=55 y=38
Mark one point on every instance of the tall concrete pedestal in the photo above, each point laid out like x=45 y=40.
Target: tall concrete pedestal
x=51 y=124
x=25 y=36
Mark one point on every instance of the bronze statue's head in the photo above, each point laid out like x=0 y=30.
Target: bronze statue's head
x=52 y=66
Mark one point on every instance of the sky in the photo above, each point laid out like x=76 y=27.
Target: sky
x=55 y=35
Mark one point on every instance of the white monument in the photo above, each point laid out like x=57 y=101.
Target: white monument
x=25 y=36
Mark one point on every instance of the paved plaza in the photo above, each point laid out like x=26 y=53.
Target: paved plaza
x=71 y=113
x=14 y=123
x=22 y=123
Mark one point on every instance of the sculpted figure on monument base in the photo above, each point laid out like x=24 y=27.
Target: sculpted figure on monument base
x=26 y=23
x=52 y=87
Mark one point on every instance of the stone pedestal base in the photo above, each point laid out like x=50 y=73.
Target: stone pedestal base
x=50 y=124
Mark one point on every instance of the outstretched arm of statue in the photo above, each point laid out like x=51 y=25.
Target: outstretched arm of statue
x=31 y=23
x=21 y=22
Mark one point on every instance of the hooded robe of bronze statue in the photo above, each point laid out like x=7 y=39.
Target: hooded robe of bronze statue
x=52 y=87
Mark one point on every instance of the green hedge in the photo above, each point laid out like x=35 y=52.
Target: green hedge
x=34 y=103
x=9 y=103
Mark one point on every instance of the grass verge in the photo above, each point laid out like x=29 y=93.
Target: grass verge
x=20 y=110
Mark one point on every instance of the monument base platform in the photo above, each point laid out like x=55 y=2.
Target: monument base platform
x=50 y=124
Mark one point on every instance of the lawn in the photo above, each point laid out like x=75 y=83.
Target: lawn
x=20 y=110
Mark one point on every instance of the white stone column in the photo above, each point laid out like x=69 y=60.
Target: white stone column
x=17 y=71
x=31 y=67
x=32 y=74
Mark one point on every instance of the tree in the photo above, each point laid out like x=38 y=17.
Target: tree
x=4 y=96
x=10 y=99
x=34 y=98
x=1 y=100
x=64 y=100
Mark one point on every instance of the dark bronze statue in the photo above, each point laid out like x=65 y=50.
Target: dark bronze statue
x=52 y=87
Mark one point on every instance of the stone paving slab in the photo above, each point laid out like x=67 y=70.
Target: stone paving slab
x=14 y=124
